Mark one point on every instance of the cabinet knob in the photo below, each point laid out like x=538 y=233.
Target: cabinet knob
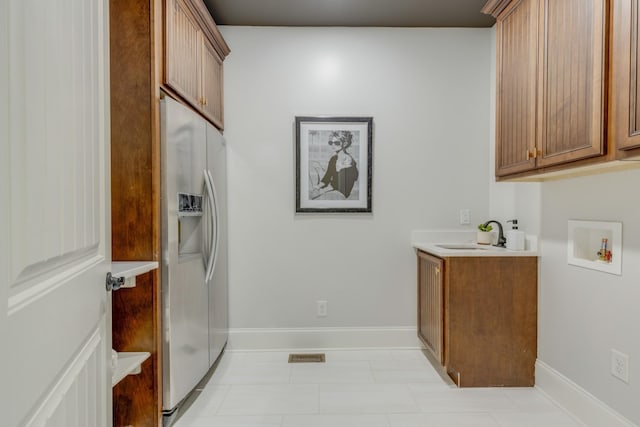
x=437 y=270
x=532 y=154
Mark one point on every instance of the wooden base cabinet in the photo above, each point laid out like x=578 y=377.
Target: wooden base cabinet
x=488 y=321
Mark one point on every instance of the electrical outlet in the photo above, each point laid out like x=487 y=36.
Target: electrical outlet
x=321 y=308
x=620 y=365
x=465 y=216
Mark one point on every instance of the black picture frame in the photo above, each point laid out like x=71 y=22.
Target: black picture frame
x=334 y=159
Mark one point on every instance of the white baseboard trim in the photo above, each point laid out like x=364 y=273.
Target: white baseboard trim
x=307 y=338
x=580 y=403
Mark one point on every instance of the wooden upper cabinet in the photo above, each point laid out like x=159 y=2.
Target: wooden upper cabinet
x=551 y=84
x=625 y=74
x=517 y=66
x=194 y=52
x=572 y=77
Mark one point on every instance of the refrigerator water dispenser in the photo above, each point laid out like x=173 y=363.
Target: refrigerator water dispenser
x=189 y=224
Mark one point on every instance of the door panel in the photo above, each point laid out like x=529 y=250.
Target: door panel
x=431 y=304
x=517 y=76
x=58 y=251
x=625 y=76
x=572 y=91
x=211 y=83
x=183 y=51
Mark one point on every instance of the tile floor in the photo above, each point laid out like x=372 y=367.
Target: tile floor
x=369 y=388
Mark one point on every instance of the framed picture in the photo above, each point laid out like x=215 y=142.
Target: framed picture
x=333 y=164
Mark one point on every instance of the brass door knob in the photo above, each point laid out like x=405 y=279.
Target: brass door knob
x=532 y=154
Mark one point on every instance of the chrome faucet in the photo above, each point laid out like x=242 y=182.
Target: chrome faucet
x=501 y=239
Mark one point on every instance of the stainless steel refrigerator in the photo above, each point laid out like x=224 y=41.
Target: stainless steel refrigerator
x=194 y=246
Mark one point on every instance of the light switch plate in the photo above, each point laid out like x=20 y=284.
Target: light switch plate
x=465 y=216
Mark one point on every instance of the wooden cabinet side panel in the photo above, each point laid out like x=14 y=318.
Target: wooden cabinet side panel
x=572 y=94
x=491 y=320
x=517 y=70
x=131 y=121
x=625 y=77
x=430 y=304
x=135 y=187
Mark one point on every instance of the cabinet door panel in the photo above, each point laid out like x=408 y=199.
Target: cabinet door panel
x=516 y=101
x=183 y=51
x=430 y=304
x=212 y=84
x=625 y=73
x=572 y=76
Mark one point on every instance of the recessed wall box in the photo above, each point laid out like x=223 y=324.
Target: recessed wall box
x=596 y=245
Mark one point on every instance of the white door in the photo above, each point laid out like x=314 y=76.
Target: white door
x=54 y=213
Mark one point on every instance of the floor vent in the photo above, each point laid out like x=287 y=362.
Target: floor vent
x=307 y=358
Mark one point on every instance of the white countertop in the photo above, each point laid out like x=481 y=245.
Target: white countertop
x=430 y=241
x=473 y=250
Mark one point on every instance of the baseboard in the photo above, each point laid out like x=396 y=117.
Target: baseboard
x=580 y=403
x=299 y=338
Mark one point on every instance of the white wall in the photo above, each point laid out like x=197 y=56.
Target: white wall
x=428 y=91
x=584 y=313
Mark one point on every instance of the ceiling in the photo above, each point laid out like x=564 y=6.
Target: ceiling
x=350 y=13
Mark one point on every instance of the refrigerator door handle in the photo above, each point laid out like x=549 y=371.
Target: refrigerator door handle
x=213 y=204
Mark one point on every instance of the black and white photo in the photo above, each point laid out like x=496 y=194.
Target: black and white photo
x=333 y=164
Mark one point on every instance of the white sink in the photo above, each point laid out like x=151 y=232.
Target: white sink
x=463 y=246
